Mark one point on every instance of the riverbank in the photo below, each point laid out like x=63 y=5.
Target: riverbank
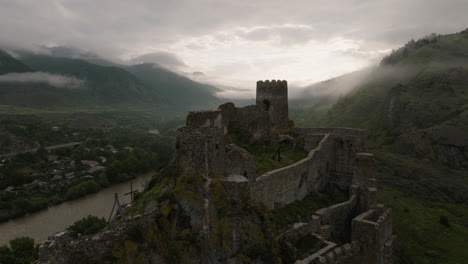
x=56 y=218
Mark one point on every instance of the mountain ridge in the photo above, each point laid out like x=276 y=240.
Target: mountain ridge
x=113 y=85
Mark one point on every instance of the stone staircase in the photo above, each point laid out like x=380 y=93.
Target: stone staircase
x=324 y=232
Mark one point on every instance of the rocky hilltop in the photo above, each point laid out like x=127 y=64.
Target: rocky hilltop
x=211 y=204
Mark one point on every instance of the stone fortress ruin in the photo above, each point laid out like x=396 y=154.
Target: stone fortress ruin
x=357 y=230
x=336 y=157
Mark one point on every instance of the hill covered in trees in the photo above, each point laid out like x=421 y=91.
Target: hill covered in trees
x=414 y=106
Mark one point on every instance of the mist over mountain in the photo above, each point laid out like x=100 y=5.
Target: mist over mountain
x=416 y=100
x=34 y=80
x=9 y=64
x=175 y=89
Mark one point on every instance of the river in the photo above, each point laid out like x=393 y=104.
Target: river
x=56 y=218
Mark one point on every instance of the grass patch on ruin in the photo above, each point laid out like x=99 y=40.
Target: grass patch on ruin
x=264 y=153
x=307 y=246
x=301 y=211
x=157 y=190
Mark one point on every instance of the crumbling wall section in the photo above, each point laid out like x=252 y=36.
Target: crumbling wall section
x=205 y=119
x=339 y=217
x=248 y=121
x=311 y=141
x=63 y=248
x=338 y=131
x=372 y=242
x=283 y=186
x=200 y=151
x=240 y=162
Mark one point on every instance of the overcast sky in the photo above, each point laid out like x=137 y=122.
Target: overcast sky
x=234 y=42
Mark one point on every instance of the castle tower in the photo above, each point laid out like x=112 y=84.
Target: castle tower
x=272 y=96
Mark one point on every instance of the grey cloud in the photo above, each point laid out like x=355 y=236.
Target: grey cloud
x=287 y=34
x=112 y=28
x=59 y=81
x=198 y=74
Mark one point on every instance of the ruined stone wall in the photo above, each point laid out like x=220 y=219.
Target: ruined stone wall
x=363 y=180
x=347 y=142
x=301 y=230
x=291 y=183
x=338 y=131
x=329 y=163
x=372 y=242
x=312 y=141
x=62 y=248
x=240 y=162
x=272 y=97
x=339 y=217
x=247 y=121
x=200 y=151
x=204 y=119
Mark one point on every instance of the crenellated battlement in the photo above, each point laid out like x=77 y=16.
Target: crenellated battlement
x=272 y=84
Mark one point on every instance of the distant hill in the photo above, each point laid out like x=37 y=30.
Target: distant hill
x=326 y=93
x=142 y=86
x=9 y=64
x=176 y=90
x=106 y=85
x=416 y=100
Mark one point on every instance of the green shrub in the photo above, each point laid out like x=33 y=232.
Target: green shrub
x=87 y=226
x=20 y=250
x=135 y=233
x=443 y=220
x=81 y=189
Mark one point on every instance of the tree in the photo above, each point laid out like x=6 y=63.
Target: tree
x=87 y=226
x=21 y=250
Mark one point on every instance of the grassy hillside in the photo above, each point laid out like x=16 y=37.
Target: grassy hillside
x=418 y=97
x=9 y=64
x=175 y=90
x=107 y=85
x=414 y=107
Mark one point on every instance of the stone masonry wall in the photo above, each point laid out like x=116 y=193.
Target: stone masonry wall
x=248 y=121
x=372 y=242
x=338 y=131
x=200 y=150
x=205 y=119
x=288 y=184
x=240 y=162
x=62 y=248
x=314 y=173
x=272 y=97
x=338 y=217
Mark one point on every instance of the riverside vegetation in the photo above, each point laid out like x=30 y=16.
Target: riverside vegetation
x=38 y=179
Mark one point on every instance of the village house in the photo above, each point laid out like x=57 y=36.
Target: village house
x=96 y=169
x=9 y=189
x=90 y=163
x=130 y=149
